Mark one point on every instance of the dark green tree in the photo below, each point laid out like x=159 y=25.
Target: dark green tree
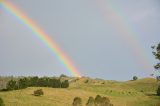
x=77 y=101
x=11 y=85
x=1 y=102
x=158 y=91
x=62 y=75
x=135 y=78
x=22 y=83
x=156 y=53
x=65 y=84
x=33 y=81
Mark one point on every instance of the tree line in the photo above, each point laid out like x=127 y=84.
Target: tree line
x=36 y=82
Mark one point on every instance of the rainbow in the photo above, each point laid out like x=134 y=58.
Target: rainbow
x=42 y=35
x=126 y=32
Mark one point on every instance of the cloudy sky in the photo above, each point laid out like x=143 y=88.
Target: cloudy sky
x=104 y=39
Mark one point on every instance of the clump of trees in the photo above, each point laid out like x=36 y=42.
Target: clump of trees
x=36 y=82
x=38 y=92
x=135 y=78
x=1 y=102
x=97 y=101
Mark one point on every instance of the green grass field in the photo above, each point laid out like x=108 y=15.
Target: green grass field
x=130 y=93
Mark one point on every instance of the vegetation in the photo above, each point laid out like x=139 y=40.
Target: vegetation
x=38 y=92
x=77 y=101
x=102 y=101
x=12 y=85
x=135 y=78
x=36 y=82
x=158 y=91
x=156 y=53
x=1 y=102
x=90 y=101
x=127 y=93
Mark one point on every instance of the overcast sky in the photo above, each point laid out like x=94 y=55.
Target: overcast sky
x=99 y=36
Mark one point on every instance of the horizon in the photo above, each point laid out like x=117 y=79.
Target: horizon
x=100 y=39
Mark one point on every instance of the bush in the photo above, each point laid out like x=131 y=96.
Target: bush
x=102 y=101
x=77 y=101
x=38 y=92
x=158 y=91
x=1 y=102
x=135 y=78
x=90 y=102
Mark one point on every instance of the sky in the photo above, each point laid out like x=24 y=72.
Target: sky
x=107 y=39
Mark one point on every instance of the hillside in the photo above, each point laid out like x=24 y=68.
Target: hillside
x=129 y=93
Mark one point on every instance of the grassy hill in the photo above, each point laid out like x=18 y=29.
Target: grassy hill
x=130 y=93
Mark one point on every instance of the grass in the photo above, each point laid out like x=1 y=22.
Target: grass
x=120 y=93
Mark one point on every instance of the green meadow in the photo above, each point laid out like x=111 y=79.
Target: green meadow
x=130 y=93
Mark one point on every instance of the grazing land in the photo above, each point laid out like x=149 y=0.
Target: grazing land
x=130 y=93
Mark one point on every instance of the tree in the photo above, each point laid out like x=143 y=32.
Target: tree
x=135 y=78
x=1 y=102
x=62 y=75
x=156 y=53
x=11 y=85
x=77 y=101
x=22 y=83
x=90 y=102
x=33 y=81
x=65 y=84
x=158 y=91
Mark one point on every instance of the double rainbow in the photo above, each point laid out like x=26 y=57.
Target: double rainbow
x=42 y=35
x=127 y=34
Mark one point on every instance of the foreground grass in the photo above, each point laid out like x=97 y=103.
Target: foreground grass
x=120 y=93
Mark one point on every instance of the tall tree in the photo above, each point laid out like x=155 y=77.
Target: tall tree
x=156 y=53
x=12 y=85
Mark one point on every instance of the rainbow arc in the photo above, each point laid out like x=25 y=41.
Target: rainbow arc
x=42 y=35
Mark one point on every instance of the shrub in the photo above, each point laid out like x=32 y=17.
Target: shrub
x=77 y=101
x=98 y=100
x=102 y=101
x=135 y=78
x=86 y=81
x=158 y=91
x=1 y=102
x=38 y=92
x=90 y=102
